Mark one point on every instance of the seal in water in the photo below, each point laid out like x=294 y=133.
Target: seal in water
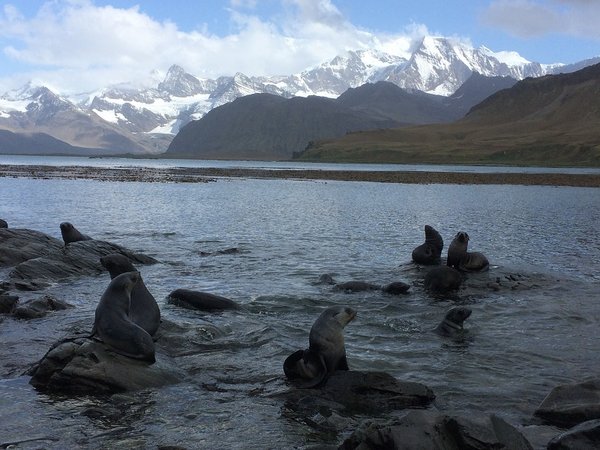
x=430 y=252
x=113 y=325
x=72 y=234
x=461 y=259
x=326 y=352
x=452 y=324
x=202 y=301
x=3 y=223
x=356 y=286
x=443 y=279
x=143 y=309
x=396 y=288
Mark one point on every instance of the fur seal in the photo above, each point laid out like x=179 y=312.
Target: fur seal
x=143 y=309
x=3 y=223
x=113 y=325
x=202 y=301
x=443 y=279
x=430 y=252
x=453 y=321
x=71 y=234
x=356 y=286
x=326 y=352
x=396 y=288
x=461 y=259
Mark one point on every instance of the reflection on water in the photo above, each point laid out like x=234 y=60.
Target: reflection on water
x=523 y=339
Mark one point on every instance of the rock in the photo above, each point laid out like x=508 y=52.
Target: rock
x=570 y=404
x=420 y=429
x=202 y=301
x=3 y=223
x=85 y=366
x=8 y=303
x=18 y=245
x=38 y=258
x=585 y=436
x=39 y=307
x=442 y=279
x=396 y=288
x=356 y=286
x=359 y=392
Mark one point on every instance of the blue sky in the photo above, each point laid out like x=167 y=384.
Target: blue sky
x=79 y=45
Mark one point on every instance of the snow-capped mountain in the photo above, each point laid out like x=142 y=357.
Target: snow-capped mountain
x=437 y=65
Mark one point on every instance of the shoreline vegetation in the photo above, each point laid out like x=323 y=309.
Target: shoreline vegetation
x=199 y=175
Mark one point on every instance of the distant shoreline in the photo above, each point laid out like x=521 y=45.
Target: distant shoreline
x=198 y=175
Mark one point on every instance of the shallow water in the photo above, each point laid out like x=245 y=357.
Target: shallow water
x=521 y=342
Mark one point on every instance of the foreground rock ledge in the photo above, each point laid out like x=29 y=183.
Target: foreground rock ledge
x=571 y=404
x=85 y=366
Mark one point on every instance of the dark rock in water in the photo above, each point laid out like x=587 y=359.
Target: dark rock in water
x=356 y=286
x=432 y=430
x=8 y=303
x=85 y=366
x=3 y=223
x=571 y=404
x=360 y=392
x=39 y=307
x=18 y=245
x=443 y=279
x=326 y=279
x=396 y=288
x=584 y=436
x=37 y=257
x=227 y=251
x=202 y=301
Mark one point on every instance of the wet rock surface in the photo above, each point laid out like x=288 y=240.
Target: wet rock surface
x=585 y=436
x=39 y=307
x=571 y=404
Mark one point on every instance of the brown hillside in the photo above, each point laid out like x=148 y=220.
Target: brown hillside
x=553 y=120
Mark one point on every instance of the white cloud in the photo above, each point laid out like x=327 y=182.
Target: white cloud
x=76 y=45
x=533 y=18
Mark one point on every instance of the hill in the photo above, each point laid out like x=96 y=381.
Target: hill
x=552 y=120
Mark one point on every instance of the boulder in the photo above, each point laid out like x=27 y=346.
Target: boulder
x=585 y=436
x=39 y=307
x=571 y=404
x=8 y=303
x=19 y=245
x=82 y=365
x=421 y=429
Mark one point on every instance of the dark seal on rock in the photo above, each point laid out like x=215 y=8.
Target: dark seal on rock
x=461 y=259
x=429 y=252
x=452 y=325
x=442 y=279
x=143 y=309
x=113 y=325
x=326 y=352
x=3 y=223
x=202 y=301
x=71 y=234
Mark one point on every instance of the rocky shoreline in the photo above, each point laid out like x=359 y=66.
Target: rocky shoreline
x=202 y=175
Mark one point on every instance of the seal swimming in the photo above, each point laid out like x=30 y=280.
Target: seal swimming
x=71 y=234
x=326 y=352
x=143 y=309
x=203 y=301
x=430 y=252
x=452 y=325
x=113 y=326
x=461 y=259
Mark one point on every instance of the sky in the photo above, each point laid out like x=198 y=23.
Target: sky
x=76 y=46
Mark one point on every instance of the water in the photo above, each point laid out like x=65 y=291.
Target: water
x=521 y=343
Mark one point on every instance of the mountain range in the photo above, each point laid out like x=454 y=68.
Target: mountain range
x=550 y=120
x=129 y=119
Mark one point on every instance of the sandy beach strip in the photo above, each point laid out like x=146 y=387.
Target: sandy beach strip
x=198 y=175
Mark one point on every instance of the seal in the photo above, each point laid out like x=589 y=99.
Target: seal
x=452 y=325
x=113 y=326
x=143 y=309
x=461 y=259
x=326 y=352
x=72 y=234
x=3 y=223
x=443 y=279
x=356 y=286
x=430 y=252
x=396 y=288
x=203 y=301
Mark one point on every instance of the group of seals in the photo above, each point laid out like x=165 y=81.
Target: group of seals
x=71 y=234
x=113 y=325
x=326 y=352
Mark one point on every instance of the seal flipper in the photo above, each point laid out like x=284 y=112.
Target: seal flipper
x=305 y=368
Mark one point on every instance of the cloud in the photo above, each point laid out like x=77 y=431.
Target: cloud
x=535 y=18
x=69 y=43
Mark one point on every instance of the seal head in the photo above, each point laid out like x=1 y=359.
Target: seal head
x=71 y=234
